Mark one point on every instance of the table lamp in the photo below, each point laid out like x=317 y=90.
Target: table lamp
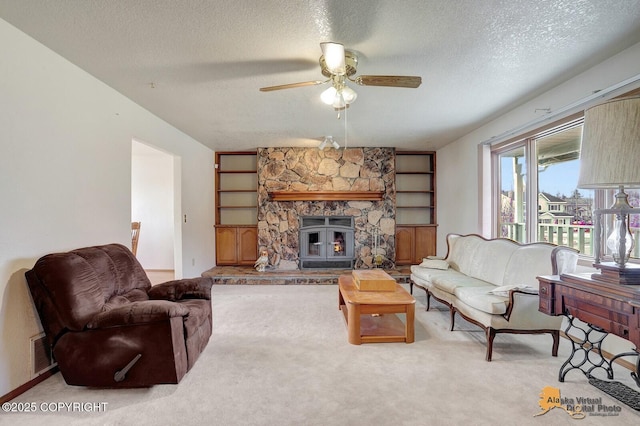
x=610 y=158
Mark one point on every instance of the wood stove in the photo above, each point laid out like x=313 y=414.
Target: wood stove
x=326 y=242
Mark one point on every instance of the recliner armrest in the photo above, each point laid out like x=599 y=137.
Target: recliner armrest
x=138 y=313
x=191 y=288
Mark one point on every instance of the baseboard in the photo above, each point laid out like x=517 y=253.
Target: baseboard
x=30 y=384
x=631 y=366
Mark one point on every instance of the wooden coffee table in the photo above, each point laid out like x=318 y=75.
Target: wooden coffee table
x=370 y=315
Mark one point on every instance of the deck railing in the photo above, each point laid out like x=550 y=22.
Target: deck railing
x=575 y=236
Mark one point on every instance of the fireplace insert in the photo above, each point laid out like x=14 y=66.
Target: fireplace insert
x=326 y=242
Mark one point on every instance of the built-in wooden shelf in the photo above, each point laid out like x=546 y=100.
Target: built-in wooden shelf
x=326 y=196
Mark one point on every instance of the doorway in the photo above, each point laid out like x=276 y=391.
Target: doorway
x=153 y=204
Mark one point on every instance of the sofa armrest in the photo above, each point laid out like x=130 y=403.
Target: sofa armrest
x=191 y=288
x=138 y=313
x=524 y=309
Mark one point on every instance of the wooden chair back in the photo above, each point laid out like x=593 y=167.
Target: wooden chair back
x=135 y=235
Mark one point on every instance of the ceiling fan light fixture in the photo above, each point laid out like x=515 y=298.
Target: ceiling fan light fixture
x=338 y=101
x=334 y=57
x=349 y=94
x=339 y=65
x=335 y=144
x=338 y=98
x=329 y=95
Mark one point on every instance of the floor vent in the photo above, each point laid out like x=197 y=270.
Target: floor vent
x=41 y=356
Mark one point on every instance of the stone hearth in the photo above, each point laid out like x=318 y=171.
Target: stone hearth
x=309 y=169
x=246 y=275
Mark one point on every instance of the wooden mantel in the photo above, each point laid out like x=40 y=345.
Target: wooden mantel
x=326 y=195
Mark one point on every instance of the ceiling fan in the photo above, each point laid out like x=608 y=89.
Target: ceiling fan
x=339 y=65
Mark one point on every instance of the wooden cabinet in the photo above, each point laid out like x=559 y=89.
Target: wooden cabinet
x=414 y=243
x=416 y=224
x=236 y=201
x=236 y=245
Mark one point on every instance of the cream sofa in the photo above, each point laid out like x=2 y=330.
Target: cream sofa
x=492 y=283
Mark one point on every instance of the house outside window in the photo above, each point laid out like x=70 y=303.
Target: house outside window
x=542 y=170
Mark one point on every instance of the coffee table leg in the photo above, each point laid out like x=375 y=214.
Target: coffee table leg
x=409 y=327
x=353 y=324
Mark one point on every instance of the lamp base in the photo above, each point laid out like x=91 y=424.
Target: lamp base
x=611 y=273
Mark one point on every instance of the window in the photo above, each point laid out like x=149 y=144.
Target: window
x=568 y=219
x=513 y=175
x=542 y=170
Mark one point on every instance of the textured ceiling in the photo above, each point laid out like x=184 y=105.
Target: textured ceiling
x=199 y=64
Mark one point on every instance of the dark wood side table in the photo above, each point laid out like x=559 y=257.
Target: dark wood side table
x=605 y=308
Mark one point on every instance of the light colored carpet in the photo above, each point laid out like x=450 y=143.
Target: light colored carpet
x=279 y=356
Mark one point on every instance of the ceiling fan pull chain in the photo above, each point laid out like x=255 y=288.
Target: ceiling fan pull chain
x=345 y=128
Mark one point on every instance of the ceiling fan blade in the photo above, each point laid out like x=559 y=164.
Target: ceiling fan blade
x=389 y=80
x=334 y=57
x=291 y=85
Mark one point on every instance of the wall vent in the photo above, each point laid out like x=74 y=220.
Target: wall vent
x=41 y=356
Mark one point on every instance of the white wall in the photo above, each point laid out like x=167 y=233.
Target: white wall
x=65 y=168
x=152 y=204
x=458 y=201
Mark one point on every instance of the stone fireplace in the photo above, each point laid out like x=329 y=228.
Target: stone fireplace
x=358 y=183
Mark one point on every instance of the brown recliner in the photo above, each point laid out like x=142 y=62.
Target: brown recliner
x=106 y=324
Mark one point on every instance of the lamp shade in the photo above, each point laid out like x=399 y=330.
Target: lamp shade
x=610 y=150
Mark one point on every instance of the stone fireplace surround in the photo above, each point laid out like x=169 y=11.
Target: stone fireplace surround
x=309 y=170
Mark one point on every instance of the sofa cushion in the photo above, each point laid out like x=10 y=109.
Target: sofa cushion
x=454 y=280
x=482 y=299
x=435 y=264
x=527 y=263
x=428 y=274
x=480 y=258
x=459 y=249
